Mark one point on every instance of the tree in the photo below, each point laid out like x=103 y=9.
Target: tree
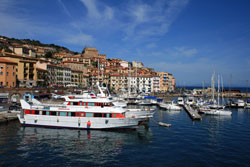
x=49 y=55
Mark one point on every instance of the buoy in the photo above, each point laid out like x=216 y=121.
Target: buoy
x=88 y=123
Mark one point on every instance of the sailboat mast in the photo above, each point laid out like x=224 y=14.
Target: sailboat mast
x=222 y=89
x=129 y=80
x=218 y=90
x=212 y=85
x=98 y=69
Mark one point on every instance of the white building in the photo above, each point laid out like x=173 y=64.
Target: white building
x=140 y=84
x=156 y=84
x=66 y=76
x=137 y=64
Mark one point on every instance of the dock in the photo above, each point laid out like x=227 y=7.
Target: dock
x=7 y=116
x=192 y=112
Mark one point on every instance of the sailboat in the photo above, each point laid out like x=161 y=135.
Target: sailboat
x=215 y=109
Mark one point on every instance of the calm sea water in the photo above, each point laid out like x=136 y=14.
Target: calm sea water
x=214 y=141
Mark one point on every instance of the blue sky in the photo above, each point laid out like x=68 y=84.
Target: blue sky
x=188 y=38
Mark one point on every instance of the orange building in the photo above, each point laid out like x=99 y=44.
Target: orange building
x=7 y=73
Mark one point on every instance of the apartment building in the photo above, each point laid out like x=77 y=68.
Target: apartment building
x=166 y=81
x=26 y=69
x=156 y=83
x=76 y=78
x=77 y=59
x=42 y=80
x=118 y=82
x=58 y=75
x=7 y=73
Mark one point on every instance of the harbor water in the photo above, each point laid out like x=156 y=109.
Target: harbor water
x=214 y=141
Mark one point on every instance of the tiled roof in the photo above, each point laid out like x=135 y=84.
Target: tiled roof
x=7 y=61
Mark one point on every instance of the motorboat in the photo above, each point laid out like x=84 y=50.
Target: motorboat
x=180 y=101
x=247 y=106
x=240 y=103
x=170 y=106
x=190 y=100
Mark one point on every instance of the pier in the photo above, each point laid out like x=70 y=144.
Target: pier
x=192 y=112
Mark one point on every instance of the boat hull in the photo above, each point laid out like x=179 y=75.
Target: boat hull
x=217 y=112
x=80 y=123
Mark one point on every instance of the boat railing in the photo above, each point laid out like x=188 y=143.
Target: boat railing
x=46 y=106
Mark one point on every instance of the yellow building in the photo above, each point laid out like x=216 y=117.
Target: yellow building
x=7 y=73
x=166 y=81
x=26 y=69
x=77 y=78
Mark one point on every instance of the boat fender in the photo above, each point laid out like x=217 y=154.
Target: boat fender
x=148 y=109
x=35 y=120
x=79 y=121
x=57 y=119
x=88 y=123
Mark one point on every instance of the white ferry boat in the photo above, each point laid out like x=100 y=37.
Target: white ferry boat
x=81 y=115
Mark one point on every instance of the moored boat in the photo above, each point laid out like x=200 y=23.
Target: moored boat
x=247 y=106
x=80 y=115
x=170 y=106
x=217 y=112
x=180 y=101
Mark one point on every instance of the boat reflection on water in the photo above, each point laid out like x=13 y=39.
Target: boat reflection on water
x=95 y=146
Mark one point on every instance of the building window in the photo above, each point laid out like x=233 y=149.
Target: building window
x=7 y=73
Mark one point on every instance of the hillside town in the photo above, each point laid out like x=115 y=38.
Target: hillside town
x=28 y=64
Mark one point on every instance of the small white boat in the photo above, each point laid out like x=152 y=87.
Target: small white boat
x=240 y=103
x=190 y=101
x=170 y=106
x=217 y=112
x=144 y=102
x=247 y=106
x=180 y=101
x=164 y=124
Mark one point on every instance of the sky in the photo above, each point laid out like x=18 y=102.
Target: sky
x=190 y=39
